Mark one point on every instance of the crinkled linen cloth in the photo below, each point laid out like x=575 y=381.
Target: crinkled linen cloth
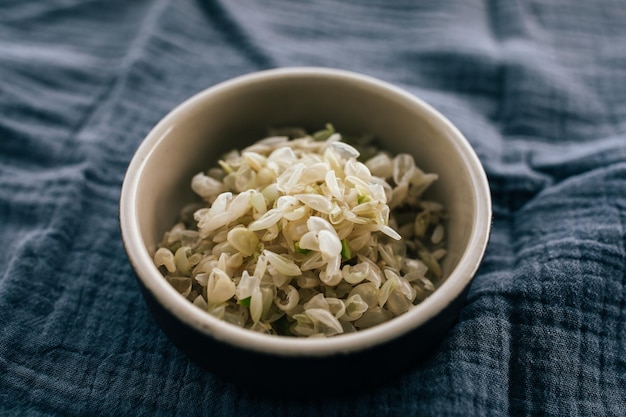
x=538 y=88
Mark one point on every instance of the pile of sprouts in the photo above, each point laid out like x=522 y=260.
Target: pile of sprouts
x=307 y=235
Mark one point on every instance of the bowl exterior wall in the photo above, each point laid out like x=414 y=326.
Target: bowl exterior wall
x=300 y=375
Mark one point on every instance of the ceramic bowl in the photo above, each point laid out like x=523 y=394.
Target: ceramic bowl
x=238 y=112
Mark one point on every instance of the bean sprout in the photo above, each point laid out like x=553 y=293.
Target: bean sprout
x=307 y=235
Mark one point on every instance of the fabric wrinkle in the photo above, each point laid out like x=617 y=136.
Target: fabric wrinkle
x=537 y=87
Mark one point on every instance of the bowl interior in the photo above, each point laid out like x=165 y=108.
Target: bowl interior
x=237 y=113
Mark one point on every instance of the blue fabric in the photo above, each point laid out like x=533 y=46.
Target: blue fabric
x=538 y=88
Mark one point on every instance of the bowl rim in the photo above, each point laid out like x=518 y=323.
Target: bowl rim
x=453 y=286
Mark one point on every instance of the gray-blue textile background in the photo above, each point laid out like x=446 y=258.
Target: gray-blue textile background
x=538 y=88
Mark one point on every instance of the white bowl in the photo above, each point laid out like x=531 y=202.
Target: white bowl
x=238 y=112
